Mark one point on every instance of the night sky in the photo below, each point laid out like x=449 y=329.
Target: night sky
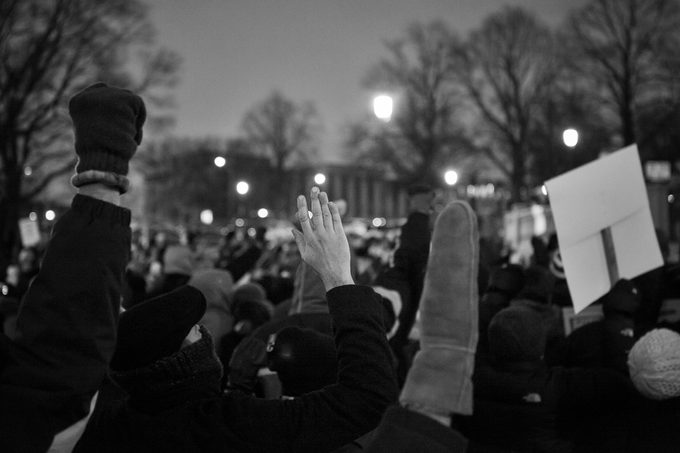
x=235 y=52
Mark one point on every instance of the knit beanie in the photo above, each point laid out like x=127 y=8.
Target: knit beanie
x=654 y=364
x=304 y=359
x=517 y=334
x=216 y=286
x=538 y=285
x=156 y=328
x=108 y=128
x=248 y=292
x=190 y=373
x=178 y=260
x=507 y=279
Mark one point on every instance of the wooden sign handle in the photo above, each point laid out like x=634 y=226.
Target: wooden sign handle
x=610 y=255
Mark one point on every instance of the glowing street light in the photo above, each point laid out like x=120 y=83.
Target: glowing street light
x=50 y=215
x=206 y=217
x=570 y=137
x=451 y=177
x=383 y=106
x=242 y=187
x=262 y=213
x=319 y=178
x=220 y=161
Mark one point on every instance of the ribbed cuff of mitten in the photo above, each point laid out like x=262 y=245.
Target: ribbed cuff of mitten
x=114 y=180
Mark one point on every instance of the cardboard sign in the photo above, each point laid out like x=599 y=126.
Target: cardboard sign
x=604 y=225
x=29 y=231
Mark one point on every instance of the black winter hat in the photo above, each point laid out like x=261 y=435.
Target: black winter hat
x=507 y=279
x=304 y=359
x=538 y=286
x=156 y=328
x=517 y=334
x=108 y=127
x=623 y=298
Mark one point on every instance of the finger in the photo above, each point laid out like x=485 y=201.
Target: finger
x=325 y=212
x=303 y=216
x=317 y=221
x=299 y=240
x=335 y=214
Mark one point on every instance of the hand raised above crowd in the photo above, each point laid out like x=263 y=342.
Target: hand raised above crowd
x=322 y=241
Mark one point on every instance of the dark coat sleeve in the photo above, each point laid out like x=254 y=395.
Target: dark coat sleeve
x=329 y=418
x=66 y=327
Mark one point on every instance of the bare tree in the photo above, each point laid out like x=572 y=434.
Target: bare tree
x=50 y=49
x=284 y=131
x=507 y=70
x=628 y=49
x=422 y=135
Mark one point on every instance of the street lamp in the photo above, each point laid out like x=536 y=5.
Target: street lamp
x=319 y=178
x=242 y=187
x=220 y=161
x=206 y=217
x=451 y=177
x=383 y=106
x=262 y=213
x=570 y=137
x=50 y=215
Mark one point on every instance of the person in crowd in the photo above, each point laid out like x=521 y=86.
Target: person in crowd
x=244 y=259
x=29 y=264
x=408 y=271
x=505 y=282
x=178 y=265
x=9 y=309
x=522 y=404
x=439 y=383
x=604 y=343
x=166 y=364
x=217 y=286
x=654 y=366
x=66 y=327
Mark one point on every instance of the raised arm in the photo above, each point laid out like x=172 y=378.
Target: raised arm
x=66 y=325
x=327 y=419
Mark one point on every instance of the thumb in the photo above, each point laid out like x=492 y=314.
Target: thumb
x=299 y=239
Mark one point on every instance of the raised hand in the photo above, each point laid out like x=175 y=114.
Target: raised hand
x=322 y=242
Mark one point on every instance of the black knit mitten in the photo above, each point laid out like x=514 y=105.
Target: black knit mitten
x=108 y=128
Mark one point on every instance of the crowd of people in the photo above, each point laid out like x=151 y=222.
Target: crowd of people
x=317 y=344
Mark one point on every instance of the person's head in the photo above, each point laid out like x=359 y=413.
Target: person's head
x=9 y=309
x=157 y=328
x=250 y=307
x=216 y=286
x=178 y=259
x=28 y=259
x=654 y=364
x=517 y=334
x=304 y=359
x=420 y=198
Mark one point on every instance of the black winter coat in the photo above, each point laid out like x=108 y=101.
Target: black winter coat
x=234 y=422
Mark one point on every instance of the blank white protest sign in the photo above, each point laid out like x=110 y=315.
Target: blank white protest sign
x=607 y=193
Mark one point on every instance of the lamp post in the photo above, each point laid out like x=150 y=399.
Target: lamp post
x=383 y=106
x=570 y=137
x=242 y=188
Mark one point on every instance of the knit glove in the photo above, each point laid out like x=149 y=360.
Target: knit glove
x=108 y=128
x=440 y=379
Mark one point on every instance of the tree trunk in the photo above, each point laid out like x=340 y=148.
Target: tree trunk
x=10 y=240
